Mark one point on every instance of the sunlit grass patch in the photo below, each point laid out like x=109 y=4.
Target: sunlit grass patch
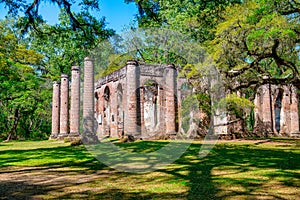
x=257 y=169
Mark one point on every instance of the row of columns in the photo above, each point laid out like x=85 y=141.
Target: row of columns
x=276 y=108
x=61 y=125
x=134 y=109
x=132 y=103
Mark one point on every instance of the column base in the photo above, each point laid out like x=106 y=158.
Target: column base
x=74 y=135
x=53 y=136
x=133 y=136
x=295 y=134
x=62 y=136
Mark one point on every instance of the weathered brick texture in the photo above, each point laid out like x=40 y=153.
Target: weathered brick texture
x=131 y=112
x=55 y=110
x=276 y=110
x=170 y=95
x=64 y=107
x=75 y=102
x=89 y=133
x=135 y=108
x=143 y=101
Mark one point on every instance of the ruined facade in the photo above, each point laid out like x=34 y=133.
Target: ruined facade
x=276 y=110
x=139 y=100
x=144 y=101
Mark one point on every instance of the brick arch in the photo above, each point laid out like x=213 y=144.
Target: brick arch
x=150 y=107
x=106 y=93
x=132 y=78
x=158 y=80
x=276 y=111
x=107 y=110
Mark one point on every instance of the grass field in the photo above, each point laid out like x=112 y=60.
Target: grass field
x=265 y=169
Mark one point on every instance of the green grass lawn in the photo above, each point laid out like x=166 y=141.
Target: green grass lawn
x=251 y=169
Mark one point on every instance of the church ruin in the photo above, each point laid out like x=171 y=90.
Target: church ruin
x=138 y=100
x=143 y=101
x=276 y=110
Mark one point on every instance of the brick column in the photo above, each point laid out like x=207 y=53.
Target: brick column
x=64 y=106
x=89 y=135
x=285 y=120
x=75 y=103
x=170 y=116
x=55 y=110
x=294 y=111
x=266 y=105
x=132 y=93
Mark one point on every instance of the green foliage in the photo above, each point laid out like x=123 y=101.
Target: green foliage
x=238 y=106
x=188 y=105
x=24 y=97
x=152 y=46
x=195 y=17
x=116 y=62
x=255 y=40
x=28 y=64
x=250 y=121
x=63 y=47
x=204 y=103
x=191 y=106
x=32 y=17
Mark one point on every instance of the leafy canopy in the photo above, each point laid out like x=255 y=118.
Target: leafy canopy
x=21 y=88
x=32 y=16
x=258 y=43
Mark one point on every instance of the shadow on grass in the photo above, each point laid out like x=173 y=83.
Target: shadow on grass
x=51 y=157
x=202 y=178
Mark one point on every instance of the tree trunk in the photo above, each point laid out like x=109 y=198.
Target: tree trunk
x=14 y=127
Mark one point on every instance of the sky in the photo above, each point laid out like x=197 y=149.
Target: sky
x=118 y=14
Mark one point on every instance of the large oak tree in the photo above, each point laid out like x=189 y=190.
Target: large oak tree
x=258 y=43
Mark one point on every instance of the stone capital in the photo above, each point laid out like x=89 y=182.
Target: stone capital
x=132 y=62
x=75 y=68
x=88 y=59
x=64 y=76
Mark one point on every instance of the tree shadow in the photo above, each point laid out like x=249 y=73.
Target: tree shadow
x=203 y=178
x=20 y=190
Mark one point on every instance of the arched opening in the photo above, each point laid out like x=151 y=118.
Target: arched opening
x=99 y=117
x=277 y=109
x=120 y=111
x=188 y=109
x=106 y=111
x=150 y=106
x=96 y=96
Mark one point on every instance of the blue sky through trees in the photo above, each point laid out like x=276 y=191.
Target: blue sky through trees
x=117 y=13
